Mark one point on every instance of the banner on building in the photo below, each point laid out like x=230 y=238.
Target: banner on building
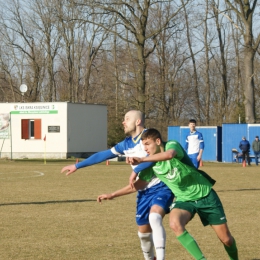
x=46 y=108
x=4 y=125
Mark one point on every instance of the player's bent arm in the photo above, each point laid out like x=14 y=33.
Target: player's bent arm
x=186 y=145
x=124 y=191
x=138 y=185
x=200 y=154
x=163 y=156
x=201 y=148
x=132 y=179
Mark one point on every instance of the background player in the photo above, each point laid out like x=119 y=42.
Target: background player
x=194 y=144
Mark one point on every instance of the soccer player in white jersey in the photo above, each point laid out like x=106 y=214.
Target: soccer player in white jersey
x=194 y=144
x=152 y=203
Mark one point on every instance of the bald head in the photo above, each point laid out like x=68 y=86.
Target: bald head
x=136 y=115
x=133 y=122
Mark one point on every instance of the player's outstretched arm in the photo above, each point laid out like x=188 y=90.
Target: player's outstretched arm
x=70 y=169
x=134 y=160
x=162 y=156
x=93 y=159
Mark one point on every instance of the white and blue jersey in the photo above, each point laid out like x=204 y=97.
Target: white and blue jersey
x=194 y=143
x=132 y=147
x=156 y=193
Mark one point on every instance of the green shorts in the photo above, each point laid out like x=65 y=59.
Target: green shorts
x=209 y=209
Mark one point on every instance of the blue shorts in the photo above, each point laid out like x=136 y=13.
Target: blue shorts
x=194 y=160
x=158 y=194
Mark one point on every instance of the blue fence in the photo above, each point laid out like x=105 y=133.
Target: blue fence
x=212 y=136
x=219 y=141
x=232 y=135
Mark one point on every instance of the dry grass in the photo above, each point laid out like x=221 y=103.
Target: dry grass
x=55 y=217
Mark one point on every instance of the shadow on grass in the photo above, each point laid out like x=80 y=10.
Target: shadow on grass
x=44 y=202
x=240 y=190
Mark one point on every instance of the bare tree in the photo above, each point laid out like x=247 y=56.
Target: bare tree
x=67 y=26
x=134 y=17
x=167 y=84
x=222 y=66
x=95 y=36
x=244 y=10
x=19 y=34
x=45 y=23
x=8 y=83
x=192 y=56
x=206 y=74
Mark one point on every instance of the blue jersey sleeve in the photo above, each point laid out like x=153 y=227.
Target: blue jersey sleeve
x=143 y=166
x=200 y=137
x=96 y=158
x=186 y=144
x=120 y=147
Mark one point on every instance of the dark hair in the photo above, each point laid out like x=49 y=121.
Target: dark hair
x=192 y=121
x=151 y=133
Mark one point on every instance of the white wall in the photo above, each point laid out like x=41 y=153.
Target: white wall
x=74 y=120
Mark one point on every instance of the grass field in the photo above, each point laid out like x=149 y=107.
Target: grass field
x=46 y=215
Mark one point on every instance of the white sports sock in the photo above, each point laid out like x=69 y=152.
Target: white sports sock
x=159 y=235
x=147 y=245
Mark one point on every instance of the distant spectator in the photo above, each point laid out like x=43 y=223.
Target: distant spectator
x=194 y=144
x=244 y=145
x=256 y=149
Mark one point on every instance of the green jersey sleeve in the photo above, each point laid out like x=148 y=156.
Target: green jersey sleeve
x=173 y=145
x=146 y=175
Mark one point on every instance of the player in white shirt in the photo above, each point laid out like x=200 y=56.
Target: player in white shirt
x=194 y=144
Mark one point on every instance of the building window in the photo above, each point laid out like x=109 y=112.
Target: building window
x=31 y=128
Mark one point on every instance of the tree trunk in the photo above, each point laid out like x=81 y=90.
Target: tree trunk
x=141 y=78
x=207 y=81
x=249 y=87
x=195 y=74
x=245 y=14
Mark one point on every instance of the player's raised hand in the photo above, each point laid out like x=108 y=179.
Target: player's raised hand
x=70 y=169
x=104 y=197
x=127 y=160
x=134 y=160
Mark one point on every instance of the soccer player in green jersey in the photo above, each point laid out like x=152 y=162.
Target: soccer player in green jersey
x=192 y=188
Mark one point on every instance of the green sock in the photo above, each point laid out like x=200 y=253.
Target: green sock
x=232 y=251
x=189 y=243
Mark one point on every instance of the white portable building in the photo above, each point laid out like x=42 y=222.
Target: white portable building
x=56 y=130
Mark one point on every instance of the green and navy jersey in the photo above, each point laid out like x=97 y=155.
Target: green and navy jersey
x=179 y=174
